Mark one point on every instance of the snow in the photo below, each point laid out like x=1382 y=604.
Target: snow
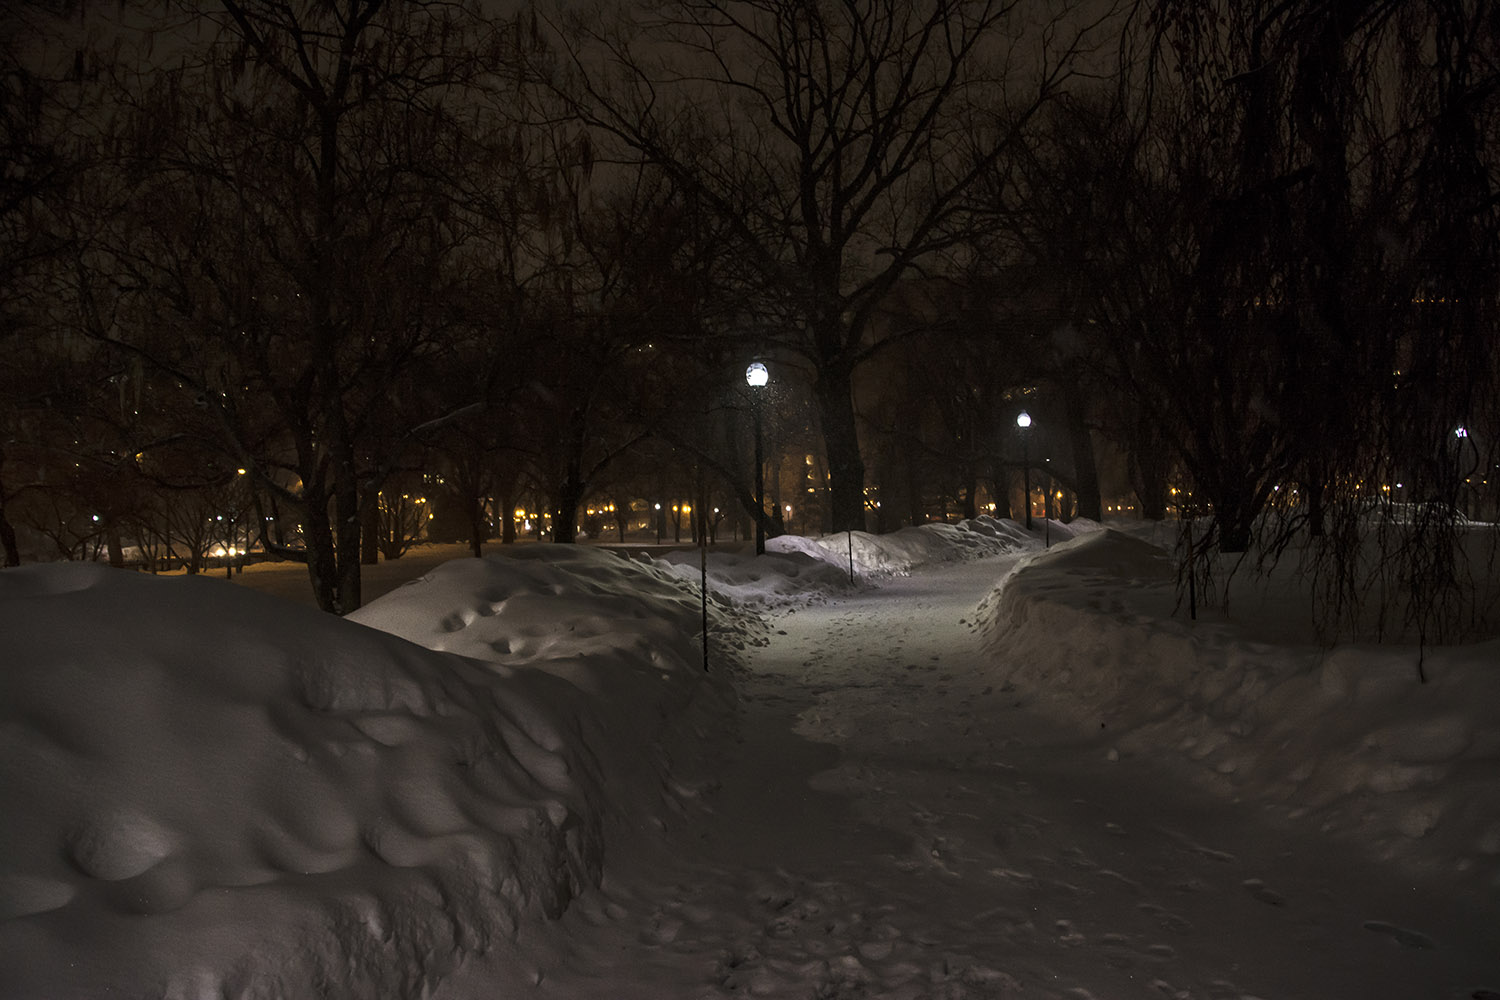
x=1349 y=735
x=980 y=769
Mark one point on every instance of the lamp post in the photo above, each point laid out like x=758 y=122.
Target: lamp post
x=756 y=377
x=1023 y=421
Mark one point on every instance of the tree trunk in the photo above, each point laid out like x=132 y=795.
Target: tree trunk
x=113 y=542
x=1085 y=467
x=565 y=511
x=476 y=526
x=1235 y=510
x=834 y=392
x=1000 y=490
x=369 y=538
x=1316 y=505
x=346 y=504
x=322 y=568
x=912 y=500
x=8 y=539
x=1149 y=466
x=508 y=519
x=7 y=530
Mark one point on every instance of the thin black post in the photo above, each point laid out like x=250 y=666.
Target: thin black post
x=1047 y=514
x=1192 y=570
x=851 y=555
x=760 y=478
x=1026 y=476
x=703 y=563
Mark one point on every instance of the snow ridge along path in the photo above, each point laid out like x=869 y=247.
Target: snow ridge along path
x=893 y=823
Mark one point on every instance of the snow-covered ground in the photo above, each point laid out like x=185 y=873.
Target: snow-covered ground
x=978 y=770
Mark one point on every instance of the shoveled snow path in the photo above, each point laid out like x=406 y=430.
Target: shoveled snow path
x=892 y=825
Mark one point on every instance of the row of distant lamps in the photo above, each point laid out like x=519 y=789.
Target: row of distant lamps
x=758 y=375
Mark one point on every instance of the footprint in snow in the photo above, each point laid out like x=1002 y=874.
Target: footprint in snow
x=1067 y=935
x=1164 y=917
x=1208 y=852
x=1199 y=849
x=1405 y=938
x=1264 y=893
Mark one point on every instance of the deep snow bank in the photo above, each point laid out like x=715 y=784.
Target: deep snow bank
x=1348 y=735
x=625 y=633
x=211 y=792
x=796 y=568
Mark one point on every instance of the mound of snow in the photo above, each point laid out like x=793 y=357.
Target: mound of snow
x=902 y=551
x=796 y=569
x=1092 y=631
x=792 y=571
x=212 y=792
x=626 y=633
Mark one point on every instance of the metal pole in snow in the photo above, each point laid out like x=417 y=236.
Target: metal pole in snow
x=703 y=562
x=1192 y=570
x=851 y=555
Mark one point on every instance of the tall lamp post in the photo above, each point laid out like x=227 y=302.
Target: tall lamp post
x=1023 y=421
x=756 y=377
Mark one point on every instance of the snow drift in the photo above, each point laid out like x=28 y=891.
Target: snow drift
x=796 y=568
x=213 y=792
x=210 y=792
x=1091 y=630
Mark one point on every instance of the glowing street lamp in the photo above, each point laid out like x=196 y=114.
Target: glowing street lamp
x=756 y=377
x=1023 y=421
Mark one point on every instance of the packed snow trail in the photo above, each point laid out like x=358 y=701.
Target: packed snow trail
x=892 y=824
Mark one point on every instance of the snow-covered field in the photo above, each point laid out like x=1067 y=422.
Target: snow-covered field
x=978 y=770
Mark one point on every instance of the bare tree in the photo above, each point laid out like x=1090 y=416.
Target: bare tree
x=840 y=141
x=287 y=214
x=1284 y=226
